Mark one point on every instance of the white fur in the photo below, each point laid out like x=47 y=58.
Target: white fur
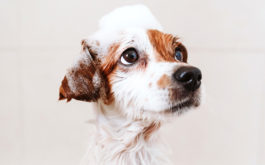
x=115 y=132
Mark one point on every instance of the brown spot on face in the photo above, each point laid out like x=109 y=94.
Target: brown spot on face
x=108 y=68
x=163 y=82
x=178 y=93
x=165 y=45
x=106 y=94
x=110 y=61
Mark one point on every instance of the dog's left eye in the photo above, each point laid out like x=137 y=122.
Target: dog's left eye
x=178 y=54
x=129 y=56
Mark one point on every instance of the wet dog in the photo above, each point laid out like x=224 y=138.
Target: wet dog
x=137 y=76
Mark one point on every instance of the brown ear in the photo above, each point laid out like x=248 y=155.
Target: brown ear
x=83 y=80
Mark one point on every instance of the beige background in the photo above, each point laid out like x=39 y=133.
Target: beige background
x=40 y=38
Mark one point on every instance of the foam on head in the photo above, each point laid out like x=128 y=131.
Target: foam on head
x=135 y=16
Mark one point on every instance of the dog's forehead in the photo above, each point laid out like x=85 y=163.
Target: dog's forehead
x=146 y=38
x=137 y=38
x=129 y=37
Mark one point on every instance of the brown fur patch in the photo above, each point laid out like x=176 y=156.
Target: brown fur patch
x=81 y=78
x=108 y=68
x=150 y=129
x=178 y=93
x=146 y=133
x=64 y=90
x=163 y=82
x=106 y=94
x=111 y=59
x=164 y=45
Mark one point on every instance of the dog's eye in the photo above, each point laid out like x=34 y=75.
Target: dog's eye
x=129 y=56
x=178 y=54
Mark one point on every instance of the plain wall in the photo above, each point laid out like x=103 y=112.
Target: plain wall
x=40 y=38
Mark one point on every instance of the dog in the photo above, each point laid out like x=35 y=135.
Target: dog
x=138 y=78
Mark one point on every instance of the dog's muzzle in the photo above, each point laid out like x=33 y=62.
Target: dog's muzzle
x=189 y=77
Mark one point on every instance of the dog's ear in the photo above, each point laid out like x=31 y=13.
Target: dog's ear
x=83 y=81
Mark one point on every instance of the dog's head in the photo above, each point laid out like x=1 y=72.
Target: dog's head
x=138 y=71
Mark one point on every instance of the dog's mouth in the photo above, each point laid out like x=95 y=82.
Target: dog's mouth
x=184 y=104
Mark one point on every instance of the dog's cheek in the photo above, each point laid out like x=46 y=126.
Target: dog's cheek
x=106 y=90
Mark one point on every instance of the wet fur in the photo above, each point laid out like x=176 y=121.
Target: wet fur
x=131 y=103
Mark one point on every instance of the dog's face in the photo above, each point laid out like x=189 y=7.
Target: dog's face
x=140 y=73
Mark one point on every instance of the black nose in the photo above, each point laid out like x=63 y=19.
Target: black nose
x=189 y=77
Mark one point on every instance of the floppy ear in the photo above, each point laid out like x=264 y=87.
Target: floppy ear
x=84 y=80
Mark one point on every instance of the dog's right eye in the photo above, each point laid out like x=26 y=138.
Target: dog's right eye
x=129 y=56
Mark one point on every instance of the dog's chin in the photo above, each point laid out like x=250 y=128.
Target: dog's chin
x=175 y=108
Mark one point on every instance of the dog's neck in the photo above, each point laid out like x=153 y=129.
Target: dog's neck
x=125 y=141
